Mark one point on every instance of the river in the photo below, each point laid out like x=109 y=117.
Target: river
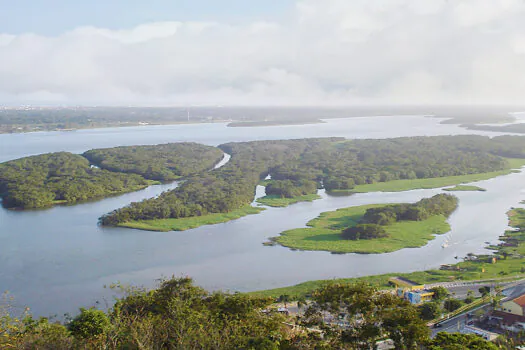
x=59 y=259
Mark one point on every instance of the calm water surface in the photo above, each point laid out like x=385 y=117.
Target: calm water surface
x=57 y=260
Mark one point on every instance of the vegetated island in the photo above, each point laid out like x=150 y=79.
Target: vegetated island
x=467 y=188
x=374 y=229
x=299 y=167
x=506 y=262
x=65 y=178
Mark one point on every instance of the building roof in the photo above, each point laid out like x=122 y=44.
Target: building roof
x=520 y=300
x=514 y=292
x=403 y=281
x=508 y=319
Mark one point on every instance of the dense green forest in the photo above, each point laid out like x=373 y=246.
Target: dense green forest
x=371 y=224
x=47 y=179
x=222 y=190
x=359 y=162
x=165 y=162
x=299 y=166
x=180 y=315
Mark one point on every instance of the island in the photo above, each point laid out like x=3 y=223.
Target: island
x=65 y=178
x=507 y=262
x=467 y=188
x=298 y=168
x=374 y=229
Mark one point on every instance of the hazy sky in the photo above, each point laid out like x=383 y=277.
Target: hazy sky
x=255 y=52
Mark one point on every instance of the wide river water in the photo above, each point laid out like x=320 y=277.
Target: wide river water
x=59 y=259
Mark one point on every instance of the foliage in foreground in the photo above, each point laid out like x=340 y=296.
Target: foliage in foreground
x=179 y=315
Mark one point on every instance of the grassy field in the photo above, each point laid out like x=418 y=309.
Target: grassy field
x=464 y=188
x=277 y=201
x=481 y=269
x=165 y=225
x=324 y=233
x=407 y=185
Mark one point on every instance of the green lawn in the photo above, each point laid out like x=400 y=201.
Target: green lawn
x=183 y=224
x=464 y=188
x=406 y=185
x=277 y=201
x=324 y=233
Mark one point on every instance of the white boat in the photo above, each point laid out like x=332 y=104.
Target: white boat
x=445 y=243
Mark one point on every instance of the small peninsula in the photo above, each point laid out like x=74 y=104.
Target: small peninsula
x=467 y=188
x=374 y=229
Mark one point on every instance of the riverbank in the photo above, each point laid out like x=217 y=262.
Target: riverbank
x=324 y=233
x=183 y=224
x=279 y=202
x=507 y=261
x=435 y=182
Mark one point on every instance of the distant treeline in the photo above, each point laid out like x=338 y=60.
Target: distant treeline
x=300 y=166
x=372 y=223
x=165 y=162
x=43 y=180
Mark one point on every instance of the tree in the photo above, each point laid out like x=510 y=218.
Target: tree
x=452 y=304
x=430 y=311
x=368 y=314
x=470 y=297
x=90 y=323
x=440 y=293
x=458 y=341
x=284 y=298
x=484 y=291
x=364 y=231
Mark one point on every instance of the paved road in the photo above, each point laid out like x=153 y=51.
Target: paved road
x=460 y=289
x=455 y=324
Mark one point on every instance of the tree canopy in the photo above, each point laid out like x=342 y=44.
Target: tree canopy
x=165 y=162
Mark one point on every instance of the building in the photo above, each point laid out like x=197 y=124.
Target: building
x=511 y=312
x=514 y=305
x=409 y=290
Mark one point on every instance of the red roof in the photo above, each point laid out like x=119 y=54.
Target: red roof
x=520 y=300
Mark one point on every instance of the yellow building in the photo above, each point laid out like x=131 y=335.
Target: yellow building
x=413 y=292
x=405 y=284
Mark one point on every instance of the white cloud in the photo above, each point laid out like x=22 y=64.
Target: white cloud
x=328 y=52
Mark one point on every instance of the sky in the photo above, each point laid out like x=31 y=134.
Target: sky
x=262 y=52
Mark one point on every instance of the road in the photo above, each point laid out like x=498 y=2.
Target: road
x=456 y=323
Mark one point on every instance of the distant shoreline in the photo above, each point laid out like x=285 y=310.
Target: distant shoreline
x=273 y=123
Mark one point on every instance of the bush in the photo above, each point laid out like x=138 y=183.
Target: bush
x=91 y=323
x=364 y=231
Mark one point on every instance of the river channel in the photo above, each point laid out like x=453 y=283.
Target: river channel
x=59 y=259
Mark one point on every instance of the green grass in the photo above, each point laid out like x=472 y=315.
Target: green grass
x=481 y=269
x=435 y=182
x=182 y=224
x=324 y=233
x=277 y=201
x=464 y=188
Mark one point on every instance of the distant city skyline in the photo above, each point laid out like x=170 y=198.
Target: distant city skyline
x=262 y=52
